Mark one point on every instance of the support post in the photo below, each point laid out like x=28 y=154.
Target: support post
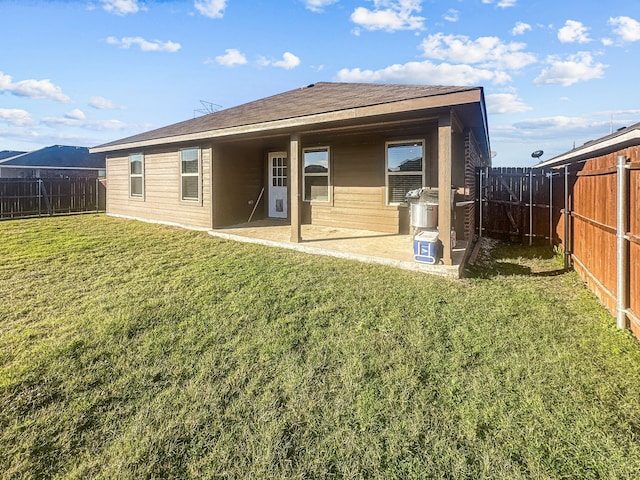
x=551 y=207
x=444 y=185
x=622 y=248
x=296 y=196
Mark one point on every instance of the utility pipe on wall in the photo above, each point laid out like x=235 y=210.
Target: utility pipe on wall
x=622 y=248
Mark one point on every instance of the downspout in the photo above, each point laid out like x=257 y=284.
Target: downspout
x=622 y=248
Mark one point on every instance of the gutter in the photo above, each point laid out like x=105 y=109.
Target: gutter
x=627 y=139
x=410 y=105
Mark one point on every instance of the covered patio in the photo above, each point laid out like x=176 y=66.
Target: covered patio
x=395 y=250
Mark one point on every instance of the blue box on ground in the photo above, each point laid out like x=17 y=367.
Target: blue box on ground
x=426 y=247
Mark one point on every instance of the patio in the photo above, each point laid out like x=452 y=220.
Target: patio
x=361 y=245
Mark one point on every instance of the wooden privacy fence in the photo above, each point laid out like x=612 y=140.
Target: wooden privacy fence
x=37 y=197
x=589 y=209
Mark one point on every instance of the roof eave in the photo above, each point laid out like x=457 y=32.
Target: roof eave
x=627 y=139
x=414 y=104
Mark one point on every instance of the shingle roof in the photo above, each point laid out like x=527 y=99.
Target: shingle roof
x=322 y=97
x=57 y=156
x=9 y=153
x=622 y=138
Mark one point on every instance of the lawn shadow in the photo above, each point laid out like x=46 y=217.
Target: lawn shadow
x=497 y=258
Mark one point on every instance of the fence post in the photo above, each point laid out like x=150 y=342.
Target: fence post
x=480 y=198
x=567 y=218
x=622 y=250
x=39 y=197
x=551 y=207
x=531 y=207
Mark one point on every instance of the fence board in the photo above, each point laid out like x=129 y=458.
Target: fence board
x=37 y=197
x=511 y=195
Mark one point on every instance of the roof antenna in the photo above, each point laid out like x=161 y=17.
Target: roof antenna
x=207 y=108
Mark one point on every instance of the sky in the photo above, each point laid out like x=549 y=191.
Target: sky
x=555 y=73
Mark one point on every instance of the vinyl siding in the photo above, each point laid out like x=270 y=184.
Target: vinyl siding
x=161 y=201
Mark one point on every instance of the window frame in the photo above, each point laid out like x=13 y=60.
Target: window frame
x=327 y=174
x=182 y=175
x=140 y=175
x=388 y=174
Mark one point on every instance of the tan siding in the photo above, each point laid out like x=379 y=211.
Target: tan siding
x=161 y=201
x=358 y=185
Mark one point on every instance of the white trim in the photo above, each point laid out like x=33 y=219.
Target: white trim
x=398 y=174
x=45 y=167
x=181 y=175
x=137 y=175
x=328 y=174
x=401 y=106
x=589 y=151
x=273 y=193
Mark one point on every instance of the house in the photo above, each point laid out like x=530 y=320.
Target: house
x=9 y=153
x=332 y=154
x=601 y=219
x=57 y=161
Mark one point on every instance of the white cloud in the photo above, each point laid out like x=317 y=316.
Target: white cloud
x=289 y=61
x=101 y=103
x=15 y=116
x=573 y=32
x=97 y=125
x=390 y=15
x=452 y=15
x=425 y=73
x=121 y=7
x=145 y=45
x=502 y=3
x=520 y=28
x=576 y=68
x=211 y=8
x=317 y=6
x=231 y=57
x=506 y=103
x=32 y=89
x=487 y=52
x=75 y=114
x=627 y=28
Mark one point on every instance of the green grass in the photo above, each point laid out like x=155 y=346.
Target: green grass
x=130 y=350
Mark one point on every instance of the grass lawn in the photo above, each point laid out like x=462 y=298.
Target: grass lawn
x=130 y=350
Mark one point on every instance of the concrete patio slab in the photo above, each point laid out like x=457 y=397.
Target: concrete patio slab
x=362 y=245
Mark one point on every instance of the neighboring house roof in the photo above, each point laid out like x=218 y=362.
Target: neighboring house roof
x=57 y=156
x=8 y=154
x=322 y=102
x=622 y=138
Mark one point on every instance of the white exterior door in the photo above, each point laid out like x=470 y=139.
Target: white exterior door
x=278 y=184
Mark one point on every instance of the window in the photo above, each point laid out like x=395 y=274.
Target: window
x=405 y=169
x=190 y=174
x=316 y=174
x=136 y=175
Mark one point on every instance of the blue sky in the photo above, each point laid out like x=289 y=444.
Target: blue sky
x=555 y=73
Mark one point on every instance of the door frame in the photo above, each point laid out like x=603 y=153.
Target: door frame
x=277 y=185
